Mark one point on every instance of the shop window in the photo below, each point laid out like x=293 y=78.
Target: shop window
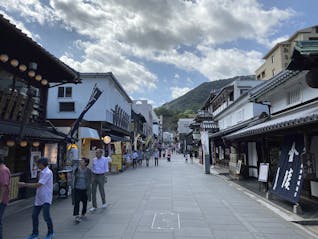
x=67 y=107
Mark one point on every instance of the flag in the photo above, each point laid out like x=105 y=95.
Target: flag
x=94 y=97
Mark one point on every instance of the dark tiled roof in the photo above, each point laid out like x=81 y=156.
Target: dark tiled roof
x=13 y=129
x=237 y=127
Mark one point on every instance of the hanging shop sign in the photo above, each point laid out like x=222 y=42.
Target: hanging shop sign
x=289 y=176
x=35 y=156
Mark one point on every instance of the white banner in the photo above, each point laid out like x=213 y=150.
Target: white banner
x=205 y=142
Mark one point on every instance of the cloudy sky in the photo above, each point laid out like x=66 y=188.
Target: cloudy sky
x=160 y=49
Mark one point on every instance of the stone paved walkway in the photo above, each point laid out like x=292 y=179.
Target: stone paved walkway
x=175 y=200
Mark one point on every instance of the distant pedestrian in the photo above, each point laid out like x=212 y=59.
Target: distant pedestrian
x=186 y=157
x=141 y=155
x=43 y=199
x=156 y=156
x=191 y=156
x=4 y=190
x=81 y=191
x=99 y=170
x=168 y=155
x=134 y=158
x=147 y=157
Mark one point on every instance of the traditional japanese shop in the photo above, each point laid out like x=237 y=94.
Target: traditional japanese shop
x=26 y=72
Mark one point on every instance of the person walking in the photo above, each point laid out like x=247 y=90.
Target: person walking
x=191 y=156
x=147 y=157
x=186 y=156
x=168 y=154
x=43 y=198
x=156 y=156
x=5 y=176
x=134 y=158
x=81 y=191
x=100 y=168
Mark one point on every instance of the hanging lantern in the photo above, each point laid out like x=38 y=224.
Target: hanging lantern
x=22 y=68
x=36 y=144
x=23 y=143
x=31 y=74
x=14 y=62
x=4 y=58
x=10 y=143
x=38 y=77
x=44 y=82
x=107 y=139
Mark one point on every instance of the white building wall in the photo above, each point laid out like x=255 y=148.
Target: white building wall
x=80 y=95
x=240 y=113
x=280 y=100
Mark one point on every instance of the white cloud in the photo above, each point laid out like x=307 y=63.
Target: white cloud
x=178 y=91
x=176 y=76
x=120 y=31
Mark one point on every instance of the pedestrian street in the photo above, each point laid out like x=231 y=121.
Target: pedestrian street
x=175 y=200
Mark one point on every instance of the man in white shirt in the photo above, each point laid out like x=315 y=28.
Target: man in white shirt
x=43 y=199
x=99 y=169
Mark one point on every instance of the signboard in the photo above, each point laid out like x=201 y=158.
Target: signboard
x=117 y=147
x=14 y=188
x=238 y=166
x=263 y=172
x=289 y=176
x=50 y=152
x=117 y=160
x=35 y=156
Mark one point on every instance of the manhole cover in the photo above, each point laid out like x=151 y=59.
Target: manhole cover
x=166 y=220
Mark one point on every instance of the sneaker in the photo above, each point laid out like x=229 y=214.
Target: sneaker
x=104 y=205
x=49 y=236
x=83 y=217
x=77 y=219
x=93 y=209
x=33 y=236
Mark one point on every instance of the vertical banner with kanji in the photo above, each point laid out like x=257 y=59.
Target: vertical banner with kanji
x=289 y=176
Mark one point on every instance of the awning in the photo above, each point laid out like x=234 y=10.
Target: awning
x=289 y=120
x=34 y=132
x=84 y=132
x=88 y=133
x=116 y=138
